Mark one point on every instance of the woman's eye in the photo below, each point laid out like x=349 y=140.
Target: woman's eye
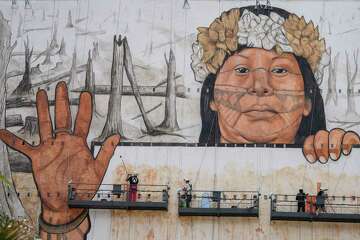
x=241 y=70
x=279 y=71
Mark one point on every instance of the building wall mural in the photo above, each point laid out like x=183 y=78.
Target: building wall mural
x=215 y=76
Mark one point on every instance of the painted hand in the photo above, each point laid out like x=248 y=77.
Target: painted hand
x=324 y=144
x=63 y=155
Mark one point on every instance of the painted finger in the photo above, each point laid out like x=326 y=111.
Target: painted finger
x=62 y=108
x=83 y=117
x=321 y=145
x=308 y=149
x=42 y=107
x=335 y=139
x=105 y=154
x=16 y=143
x=350 y=138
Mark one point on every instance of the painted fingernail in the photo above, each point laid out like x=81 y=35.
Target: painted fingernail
x=310 y=158
x=333 y=156
x=322 y=159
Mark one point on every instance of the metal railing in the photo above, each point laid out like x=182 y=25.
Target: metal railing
x=118 y=192
x=332 y=204
x=218 y=199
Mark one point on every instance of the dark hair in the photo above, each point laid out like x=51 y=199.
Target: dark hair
x=315 y=121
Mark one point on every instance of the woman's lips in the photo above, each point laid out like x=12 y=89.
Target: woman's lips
x=260 y=113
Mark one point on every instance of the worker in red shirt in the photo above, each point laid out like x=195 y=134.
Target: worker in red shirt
x=133 y=184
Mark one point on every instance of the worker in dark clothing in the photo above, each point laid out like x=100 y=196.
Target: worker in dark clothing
x=320 y=202
x=300 y=198
x=255 y=201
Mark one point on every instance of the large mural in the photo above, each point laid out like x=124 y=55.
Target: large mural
x=207 y=73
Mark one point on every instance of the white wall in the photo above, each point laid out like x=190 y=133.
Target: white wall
x=270 y=170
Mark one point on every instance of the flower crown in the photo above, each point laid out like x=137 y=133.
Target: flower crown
x=272 y=32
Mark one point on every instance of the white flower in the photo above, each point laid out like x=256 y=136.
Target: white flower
x=262 y=31
x=199 y=68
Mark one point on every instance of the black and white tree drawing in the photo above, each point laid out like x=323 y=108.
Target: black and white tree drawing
x=351 y=75
x=62 y=49
x=54 y=43
x=14 y=4
x=73 y=72
x=129 y=67
x=332 y=93
x=90 y=76
x=113 y=124
x=24 y=87
x=27 y=4
x=170 y=121
x=9 y=202
x=95 y=51
x=47 y=60
x=31 y=127
x=69 y=23
x=90 y=81
x=20 y=26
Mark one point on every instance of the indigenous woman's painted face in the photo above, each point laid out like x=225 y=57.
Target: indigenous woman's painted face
x=259 y=97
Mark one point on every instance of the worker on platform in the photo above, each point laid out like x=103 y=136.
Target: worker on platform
x=255 y=201
x=133 y=185
x=187 y=189
x=320 y=202
x=300 y=198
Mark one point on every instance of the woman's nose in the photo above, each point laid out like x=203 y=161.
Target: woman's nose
x=260 y=85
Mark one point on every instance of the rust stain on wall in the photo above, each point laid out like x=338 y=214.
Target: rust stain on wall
x=150 y=235
x=259 y=230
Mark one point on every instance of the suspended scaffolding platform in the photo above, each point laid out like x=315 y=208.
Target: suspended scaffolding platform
x=118 y=196
x=336 y=209
x=219 y=203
